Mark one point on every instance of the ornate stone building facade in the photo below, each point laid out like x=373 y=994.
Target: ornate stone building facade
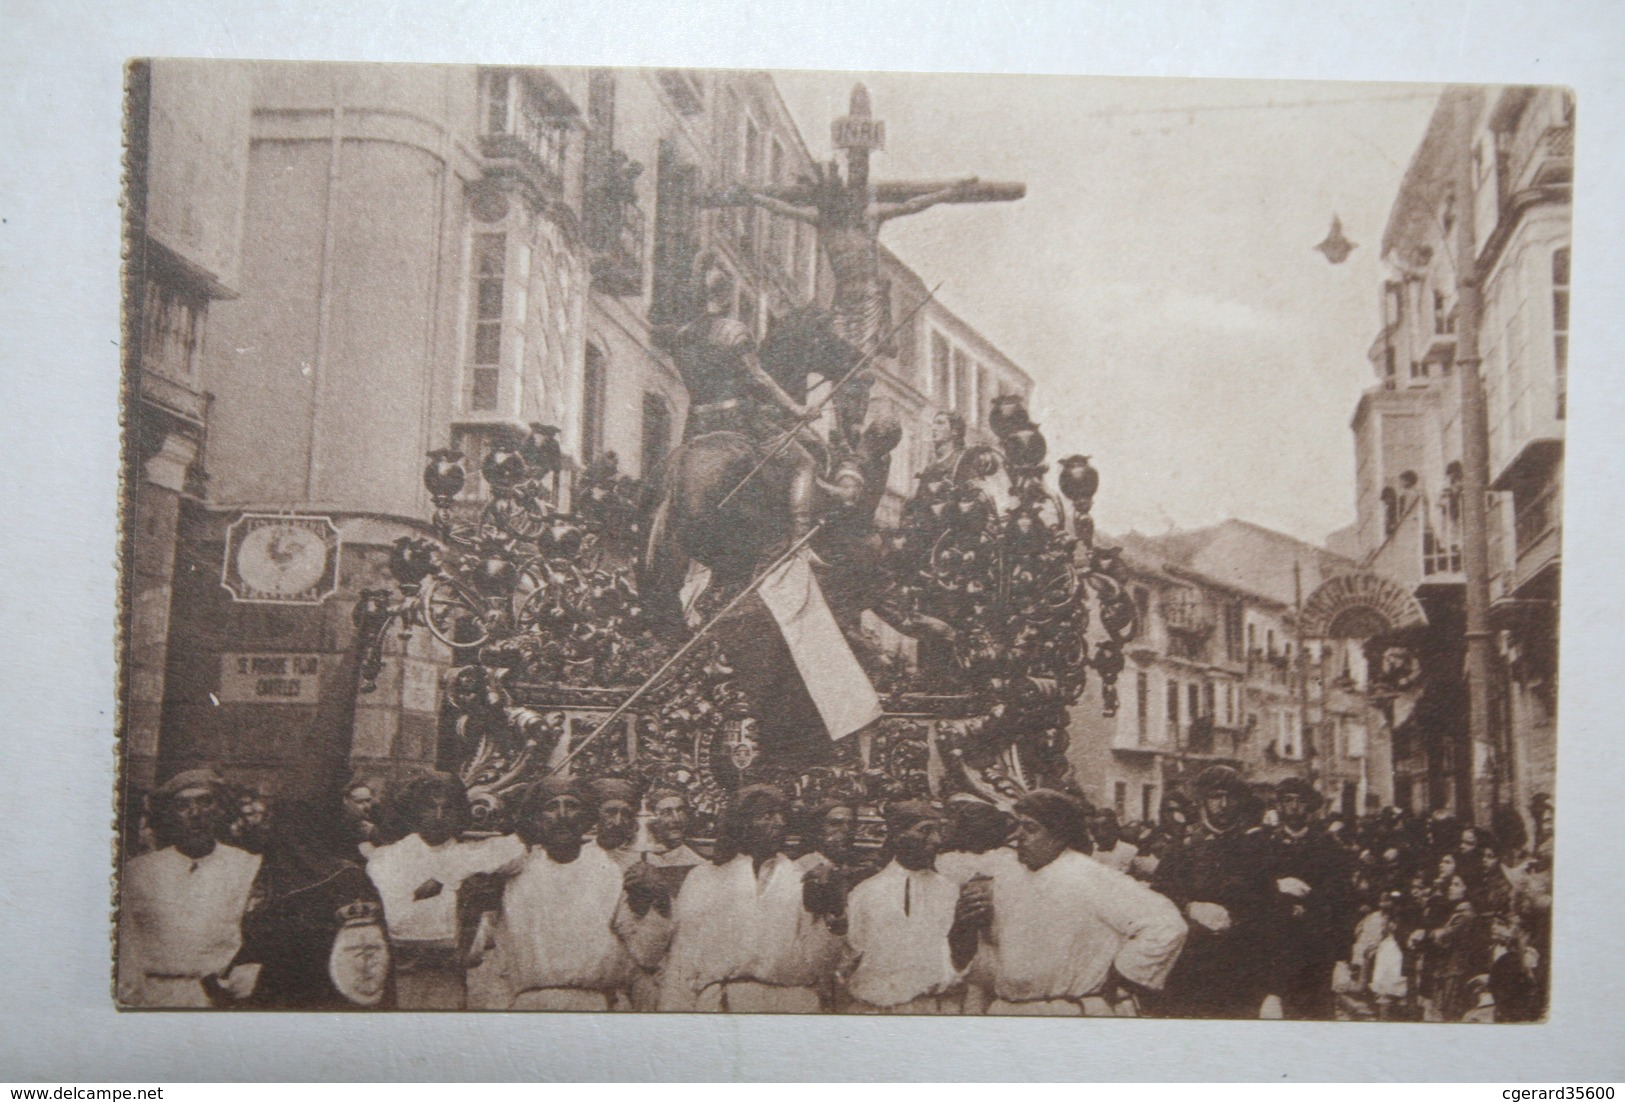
x=1483 y=211
x=337 y=269
x=1221 y=671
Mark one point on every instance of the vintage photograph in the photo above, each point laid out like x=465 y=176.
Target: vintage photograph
x=679 y=540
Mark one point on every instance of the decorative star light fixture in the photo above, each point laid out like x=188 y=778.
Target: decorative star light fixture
x=1336 y=247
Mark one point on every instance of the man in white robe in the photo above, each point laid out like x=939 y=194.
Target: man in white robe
x=1069 y=936
x=419 y=879
x=743 y=939
x=614 y=803
x=977 y=849
x=181 y=906
x=829 y=868
x=1111 y=848
x=553 y=941
x=900 y=923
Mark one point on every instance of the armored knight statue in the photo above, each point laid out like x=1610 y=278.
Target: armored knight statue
x=729 y=391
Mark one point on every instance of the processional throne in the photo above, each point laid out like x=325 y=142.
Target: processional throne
x=542 y=611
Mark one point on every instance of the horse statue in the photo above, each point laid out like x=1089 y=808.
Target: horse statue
x=729 y=500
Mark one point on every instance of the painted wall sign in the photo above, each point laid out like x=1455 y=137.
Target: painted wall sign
x=267 y=678
x=281 y=559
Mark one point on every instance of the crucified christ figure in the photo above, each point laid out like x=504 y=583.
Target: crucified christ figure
x=848 y=219
x=848 y=215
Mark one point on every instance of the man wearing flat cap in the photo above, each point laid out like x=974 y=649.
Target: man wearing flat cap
x=743 y=939
x=181 y=906
x=898 y=957
x=614 y=803
x=830 y=866
x=1315 y=911
x=553 y=939
x=1066 y=935
x=1222 y=883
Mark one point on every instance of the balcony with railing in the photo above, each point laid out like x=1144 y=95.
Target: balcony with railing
x=528 y=123
x=1206 y=739
x=1538 y=156
x=1425 y=546
x=1188 y=614
x=1441 y=538
x=1538 y=531
x=616 y=228
x=1441 y=341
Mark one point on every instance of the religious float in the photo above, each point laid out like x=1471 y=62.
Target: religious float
x=713 y=628
x=565 y=662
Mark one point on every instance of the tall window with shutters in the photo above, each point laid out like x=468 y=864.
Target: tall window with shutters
x=489 y=289
x=677 y=241
x=752 y=173
x=656 y=436
x=593 y=381
x=941 y=379
x=964 y=380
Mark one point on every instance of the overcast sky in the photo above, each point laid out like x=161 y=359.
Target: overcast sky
x=1159 y=281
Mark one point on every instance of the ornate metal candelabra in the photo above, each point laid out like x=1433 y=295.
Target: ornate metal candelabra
x=995 y=574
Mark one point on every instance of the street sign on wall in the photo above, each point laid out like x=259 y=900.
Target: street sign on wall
x=267 y=678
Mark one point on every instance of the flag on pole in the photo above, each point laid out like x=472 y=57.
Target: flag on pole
x=839 y=688
x=804 y=685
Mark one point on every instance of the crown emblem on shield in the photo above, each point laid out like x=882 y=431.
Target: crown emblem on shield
x=362 y=912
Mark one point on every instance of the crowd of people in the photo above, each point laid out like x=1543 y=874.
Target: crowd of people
x=1239 y=902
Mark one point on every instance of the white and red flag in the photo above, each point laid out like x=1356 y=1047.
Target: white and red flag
x=796 y=667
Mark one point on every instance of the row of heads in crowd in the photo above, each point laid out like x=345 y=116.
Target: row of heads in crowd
x=1393 y=847
x=197 y=808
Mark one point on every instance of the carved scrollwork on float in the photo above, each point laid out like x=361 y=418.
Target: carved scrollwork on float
x=995 y=573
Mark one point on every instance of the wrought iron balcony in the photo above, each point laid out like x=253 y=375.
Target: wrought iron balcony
x=525 y=156
x=1539 y=157
x=1199 y=735
x=528 y=120
x=615 y=234
x=1188 y=614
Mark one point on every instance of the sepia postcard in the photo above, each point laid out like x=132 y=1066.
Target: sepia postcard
x=684 y=540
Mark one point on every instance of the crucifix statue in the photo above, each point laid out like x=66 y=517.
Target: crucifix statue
x=848 y=215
